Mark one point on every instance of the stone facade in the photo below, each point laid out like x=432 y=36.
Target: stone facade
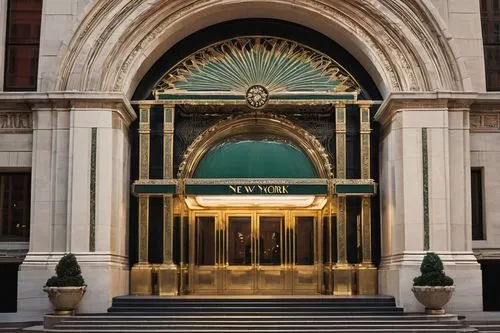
x=425 y=56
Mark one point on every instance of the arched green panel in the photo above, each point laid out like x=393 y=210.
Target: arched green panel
x=255 y=159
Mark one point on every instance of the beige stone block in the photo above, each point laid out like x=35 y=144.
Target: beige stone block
x=442 y=8
x=476 y=69
x=47 y=71
x=40 y=225
x=79 y=215
x=24 y=159
x=59 y=231
x=16 y=142
x=424 y=118
x=463 y=6
x=413 y=234
x=92 y=118
x=107 y=281
x=465 y=25
x=58 y=7
x=412 y=143
x=458 y=236
x=62 y=120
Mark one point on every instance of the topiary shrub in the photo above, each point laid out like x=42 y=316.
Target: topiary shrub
x=432 y=272
x=68 y=273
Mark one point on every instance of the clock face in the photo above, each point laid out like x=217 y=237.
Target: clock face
x=257 y=96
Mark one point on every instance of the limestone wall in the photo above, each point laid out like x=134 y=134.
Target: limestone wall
x=485 y=154
x=463 y=21
x=85 y=35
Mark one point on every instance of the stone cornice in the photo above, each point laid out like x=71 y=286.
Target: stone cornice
x=65 y=100
x=439 y=100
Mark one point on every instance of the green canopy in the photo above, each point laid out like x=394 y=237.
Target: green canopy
x=255 y=159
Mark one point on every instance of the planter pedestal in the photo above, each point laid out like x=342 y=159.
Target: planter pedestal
x=433 y=298
x=65 y=299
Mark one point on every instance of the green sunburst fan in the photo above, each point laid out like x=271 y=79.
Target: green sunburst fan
x=279 y=65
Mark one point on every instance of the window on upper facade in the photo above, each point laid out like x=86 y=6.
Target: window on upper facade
x=15 y=194
x=490 y=23
x=477 y=204
x=22 y=44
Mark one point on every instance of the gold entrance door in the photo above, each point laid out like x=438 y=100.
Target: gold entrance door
x=270 y=249
x=205 y=272
x=239 y=253
x=255 y=253
x=304 y=253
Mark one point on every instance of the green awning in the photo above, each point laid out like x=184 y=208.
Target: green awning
x=255 y=159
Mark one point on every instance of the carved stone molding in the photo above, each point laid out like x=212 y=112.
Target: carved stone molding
x=424 y=101
x=66 y=101
x=16 y=121
x=404 y=39
x=485 y=121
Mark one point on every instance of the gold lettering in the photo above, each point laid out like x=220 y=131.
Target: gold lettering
x=249 y=189
x=260 y=189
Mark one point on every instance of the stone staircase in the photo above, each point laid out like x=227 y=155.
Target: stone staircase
x=258 y=314
x=491 y=326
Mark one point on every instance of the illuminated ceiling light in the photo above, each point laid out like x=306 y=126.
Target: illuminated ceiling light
x=300 y=201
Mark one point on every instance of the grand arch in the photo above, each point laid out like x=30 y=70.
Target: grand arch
x=397 y=42
x=401 y=44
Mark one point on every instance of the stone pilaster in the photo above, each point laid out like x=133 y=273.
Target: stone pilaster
x=80 y=196
x=423 y=178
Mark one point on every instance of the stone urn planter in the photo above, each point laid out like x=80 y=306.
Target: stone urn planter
x=67 y=288
x=65 y=299
x=433 y=289
x=433 y=298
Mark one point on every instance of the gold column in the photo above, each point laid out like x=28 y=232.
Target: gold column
x=367 y=273
x=141 y=274
x=329 y=265
x=342 y=271
x=168 y=272
x=183 y=282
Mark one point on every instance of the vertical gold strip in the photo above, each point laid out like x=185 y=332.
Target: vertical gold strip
x=340 y=119
x=366 y=230
x=365 y=133
x=144 y=134
x=168 y=141
x=366 y=279
x=168 y=201
x=143 y=229
x=168 y=229
x=183 y=285
x=141 y=278
x=341 y=231
x=168 y=273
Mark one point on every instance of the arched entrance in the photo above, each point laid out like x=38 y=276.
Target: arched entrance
x=261 y=236
x=274 y=193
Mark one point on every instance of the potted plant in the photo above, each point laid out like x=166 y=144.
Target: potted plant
x=433 y=288
x=66 y=289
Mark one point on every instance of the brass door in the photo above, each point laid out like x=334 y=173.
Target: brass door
x=305 y=253
x=255 y=253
